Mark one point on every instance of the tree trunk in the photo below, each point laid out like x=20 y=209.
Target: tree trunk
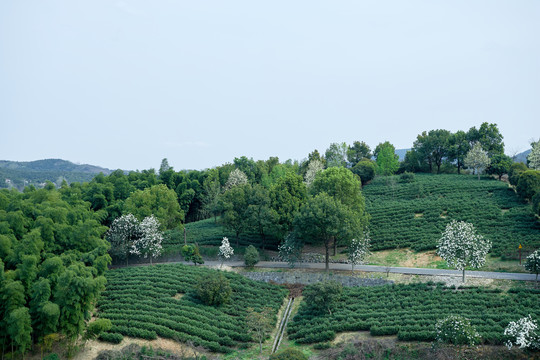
x=327 y=247
x=464 y=276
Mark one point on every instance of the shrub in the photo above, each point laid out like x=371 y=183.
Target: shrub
x=407 y=177
x=323 y=295
x=191 y=253
x=528 y=184
x=365 y=169
x=456 y=330
x=515 y=170
x=251 y=256
x=214 y=289
x=113 y=338
x=289 y=354
x=52 y=356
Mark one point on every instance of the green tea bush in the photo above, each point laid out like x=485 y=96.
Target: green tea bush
x=289 y=354
x=251 y=256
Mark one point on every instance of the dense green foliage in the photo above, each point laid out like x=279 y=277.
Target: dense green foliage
x=415 y=214
x=323 y=296
x=411 y=312
x=140 y=302
x=52 y=261
x=251 y=256
x=214 y=289
x=289 y=354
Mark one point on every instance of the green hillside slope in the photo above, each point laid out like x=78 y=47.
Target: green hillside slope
x=415 y=214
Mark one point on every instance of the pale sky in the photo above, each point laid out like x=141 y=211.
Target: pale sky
x=123 y=84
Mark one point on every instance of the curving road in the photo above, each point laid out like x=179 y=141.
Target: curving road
x=383 y=269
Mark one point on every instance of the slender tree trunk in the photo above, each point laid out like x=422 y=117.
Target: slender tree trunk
x=327 y=247
x=464 y=276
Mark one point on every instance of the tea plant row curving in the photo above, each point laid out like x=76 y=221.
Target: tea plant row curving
x=411 y=312
x=415 y=214
x=141 y=303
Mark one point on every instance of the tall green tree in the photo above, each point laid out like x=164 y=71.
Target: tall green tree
x=322 y=219
x=19 y=329
x=157 y=200
x=336 y=155
x=358 y=152
x=287 y=195
x=458 y=148
x=499 y=165
x=489 y=136
x=234 y=204
x=387 y=160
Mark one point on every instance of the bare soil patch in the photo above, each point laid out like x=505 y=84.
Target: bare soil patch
x=94 y=347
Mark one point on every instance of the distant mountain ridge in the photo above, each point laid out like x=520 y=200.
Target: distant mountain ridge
x=522 y=157
x=19 y=174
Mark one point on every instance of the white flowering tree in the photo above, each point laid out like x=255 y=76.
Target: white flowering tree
x=461 y=246
x=149 y=243
x=236 y=177
x=534 y=156
x=225 y=250
x=123 y=232
x=358 y=250
x=456 y=330
x=523 y=333
x=477 y=159
x=532 y=264
x=291 y=249
x=314 y=167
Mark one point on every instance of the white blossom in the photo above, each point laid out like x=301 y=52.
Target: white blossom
x=456 y=330
x=225 y=250
x=477 y=159
x=524 y=333
x=534 y=156
x=236 y=177
x=291 y=250
x=314 y=167
x=149 y=243
x=358 y=250
x=123 y=231
x=532 y=264
x=461 y=246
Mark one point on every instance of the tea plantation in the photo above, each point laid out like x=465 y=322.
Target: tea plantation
x=411 y=311
x=415 y=214
x=141 y=302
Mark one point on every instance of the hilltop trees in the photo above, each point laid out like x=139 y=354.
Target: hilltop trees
x=461 y=246
x=477 y=159
x=387 y=160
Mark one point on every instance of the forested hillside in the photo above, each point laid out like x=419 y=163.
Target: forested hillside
x=19 y=174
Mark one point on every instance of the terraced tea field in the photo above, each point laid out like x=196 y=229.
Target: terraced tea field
x=151 y=301
x=413 y=215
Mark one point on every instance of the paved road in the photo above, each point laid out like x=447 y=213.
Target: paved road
x=397 y=270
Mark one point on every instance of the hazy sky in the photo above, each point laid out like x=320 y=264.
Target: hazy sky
x=123 y=84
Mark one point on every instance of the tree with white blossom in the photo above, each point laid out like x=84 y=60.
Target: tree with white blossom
x=314 y=167
x=461 y=246
x=225 y=250
x=236 y=177
x=456 y=330
x=290 y=250
x=524 y=333
x=358 y=250
x=149 y=243
x=532 y=264
x=123 y=232
x=534 y=156
x=477 y=159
